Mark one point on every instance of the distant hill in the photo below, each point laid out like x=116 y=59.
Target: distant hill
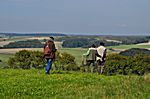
x=33 y=34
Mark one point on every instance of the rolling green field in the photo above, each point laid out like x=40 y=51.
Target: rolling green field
x=76 y=52
x=73 y=85
x=129 y=46
x=4 y=58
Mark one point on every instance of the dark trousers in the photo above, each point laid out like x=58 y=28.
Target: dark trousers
x=101 y=66
x=91 y=65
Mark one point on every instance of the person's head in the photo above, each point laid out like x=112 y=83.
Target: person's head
x=102 y=44
x=93 y=45
x=52 y=38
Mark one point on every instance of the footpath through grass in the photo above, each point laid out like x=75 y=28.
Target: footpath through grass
x=73 y=85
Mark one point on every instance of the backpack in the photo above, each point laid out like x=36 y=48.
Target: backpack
x=47 y=50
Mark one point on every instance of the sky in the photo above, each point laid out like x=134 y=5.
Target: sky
x=110 y=17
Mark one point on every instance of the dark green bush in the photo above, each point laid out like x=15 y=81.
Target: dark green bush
x=67 y=62
x=140 y=64
x=26 y=59
x=118 y=64
x=34 y=59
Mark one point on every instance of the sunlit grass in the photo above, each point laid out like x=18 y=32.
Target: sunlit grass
x=34 y=83
x=129 y=46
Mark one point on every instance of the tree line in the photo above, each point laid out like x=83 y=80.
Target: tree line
x=73 y=42
x=25 y=44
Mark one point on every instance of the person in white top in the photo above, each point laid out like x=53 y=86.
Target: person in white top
x=101 y=50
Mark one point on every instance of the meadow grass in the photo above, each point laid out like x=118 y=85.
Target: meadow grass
x=4 y=59
x=73 y=85
x=4 y=56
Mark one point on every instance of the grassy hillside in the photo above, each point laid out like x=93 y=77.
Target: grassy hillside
x=76 y=52
x=35 y=84
x=130 y=46
x=4 y=56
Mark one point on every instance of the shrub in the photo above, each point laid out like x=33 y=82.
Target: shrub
x=118 y=64
x=140 y=64
x=115 y=64
x=67 y=62
x=25 y=59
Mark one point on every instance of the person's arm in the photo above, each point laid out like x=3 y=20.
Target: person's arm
x=54 y=48
x=98 y=54
x=104 y=56
x=88 y=52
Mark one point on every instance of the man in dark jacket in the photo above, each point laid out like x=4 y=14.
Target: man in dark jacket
x=49 y=53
